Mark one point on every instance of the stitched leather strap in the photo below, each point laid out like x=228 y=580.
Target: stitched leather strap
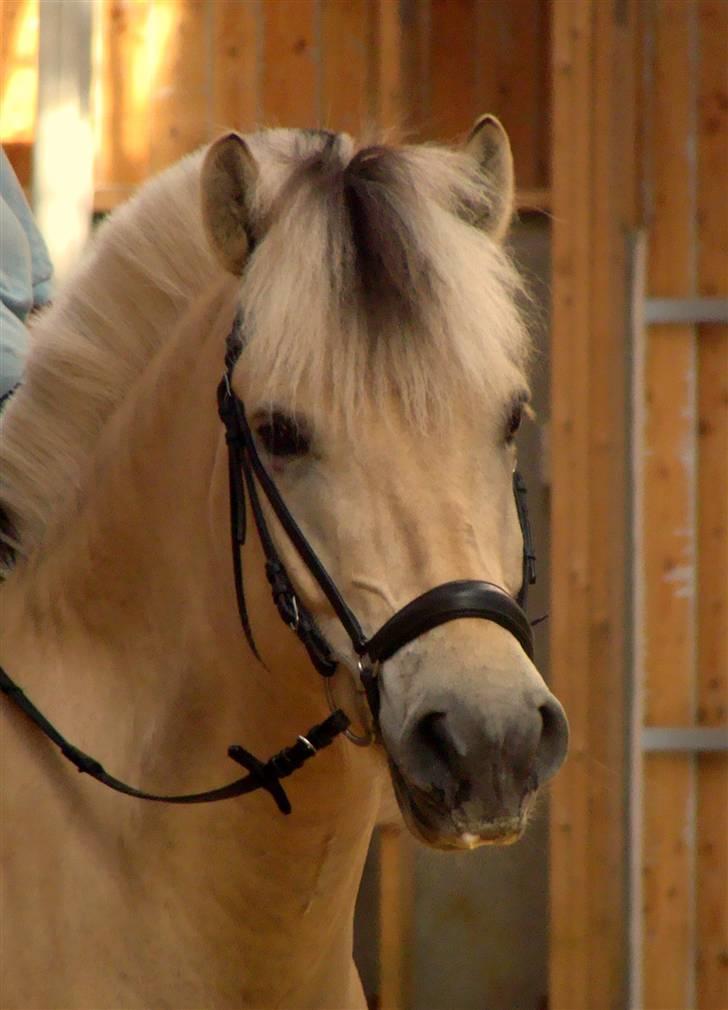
x=448 y=602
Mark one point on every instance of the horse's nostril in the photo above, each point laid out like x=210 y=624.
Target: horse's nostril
x=440 y=757
x=554 y=740
x=433 y=735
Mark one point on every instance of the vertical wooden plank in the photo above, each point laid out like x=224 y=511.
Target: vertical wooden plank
x=395 y=902
x=235 y=65
x=345 y=65
x=290 y=63
x=607 y=512
x=669 y=523
x=416 y=71
x=571 y=498
x=453 y=100
x=180 y=97
x=588 y=516
x=712 y=207
x=390 y=100
x=155 y=100
x=129 y=56
x=509 y=60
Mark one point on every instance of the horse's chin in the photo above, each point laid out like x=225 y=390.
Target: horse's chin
x=451 y=829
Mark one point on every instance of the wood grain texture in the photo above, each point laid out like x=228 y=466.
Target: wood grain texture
x=122 y=126
x=396 y=868
x=571 y=499
x=512 y=80
x=236 y=34
x=590 y=215
x=390 y=101
x=606 y=478
x=453 y=99
x=345 y=65
x=669 y=520
x=711 y=966
x=180 y=98
x=290 y=72
x=416 y=72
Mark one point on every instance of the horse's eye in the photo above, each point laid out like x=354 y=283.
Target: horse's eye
x=514 y=422
x=283 y=436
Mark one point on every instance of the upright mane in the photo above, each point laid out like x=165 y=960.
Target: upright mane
x=370 y=279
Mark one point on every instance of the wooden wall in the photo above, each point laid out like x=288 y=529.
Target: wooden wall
x=171 y=74
x=639 y=888
x=682 y=463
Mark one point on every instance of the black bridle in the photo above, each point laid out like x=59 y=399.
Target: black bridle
x=443 y=603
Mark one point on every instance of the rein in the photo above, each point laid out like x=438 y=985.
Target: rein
x=443 y=603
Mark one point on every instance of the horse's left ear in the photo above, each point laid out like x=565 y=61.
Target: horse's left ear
x=228 y=178
x=488 y=144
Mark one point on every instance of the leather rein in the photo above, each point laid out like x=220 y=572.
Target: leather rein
x=443 y=603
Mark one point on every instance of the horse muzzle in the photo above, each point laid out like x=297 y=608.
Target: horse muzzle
x=468 y=759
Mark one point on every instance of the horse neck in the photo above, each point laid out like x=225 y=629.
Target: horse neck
x=132 y=614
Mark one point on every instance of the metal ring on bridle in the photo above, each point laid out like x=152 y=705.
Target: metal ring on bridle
x=361 y=740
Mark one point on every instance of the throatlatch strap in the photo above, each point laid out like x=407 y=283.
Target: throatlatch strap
x=261 y=775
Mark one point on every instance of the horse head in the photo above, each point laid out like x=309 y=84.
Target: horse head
x=381 y=380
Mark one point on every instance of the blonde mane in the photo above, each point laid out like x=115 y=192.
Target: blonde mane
x=372 y=286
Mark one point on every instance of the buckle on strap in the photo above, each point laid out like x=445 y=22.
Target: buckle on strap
x=269 y=773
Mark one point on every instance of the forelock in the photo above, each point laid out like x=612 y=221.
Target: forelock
x=370 y=274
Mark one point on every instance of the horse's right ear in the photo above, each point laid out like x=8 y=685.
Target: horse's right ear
x=228 y=178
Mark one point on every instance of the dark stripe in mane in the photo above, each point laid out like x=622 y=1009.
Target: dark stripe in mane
x=384 y=272
x=392 y=269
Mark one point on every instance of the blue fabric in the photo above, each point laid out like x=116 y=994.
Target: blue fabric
x=25 y=274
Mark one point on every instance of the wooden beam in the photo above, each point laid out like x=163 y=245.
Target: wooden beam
x=590 y=65
x=179 y=96
x=711 y=983
x=669 y=521
x=511 y=75
x=396 y=868
x=390 y=101
x=453 y=60
x=290 y=70
x=345 y=65
x=129 y=52
x=237 y=37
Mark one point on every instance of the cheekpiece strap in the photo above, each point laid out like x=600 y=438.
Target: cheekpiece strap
x=520 y=493
x=240 y=448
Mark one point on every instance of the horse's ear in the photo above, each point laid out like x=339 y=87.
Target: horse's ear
x=228 y=178
x=488 y=144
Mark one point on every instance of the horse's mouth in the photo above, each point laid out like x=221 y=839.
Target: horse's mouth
x=431 y=821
